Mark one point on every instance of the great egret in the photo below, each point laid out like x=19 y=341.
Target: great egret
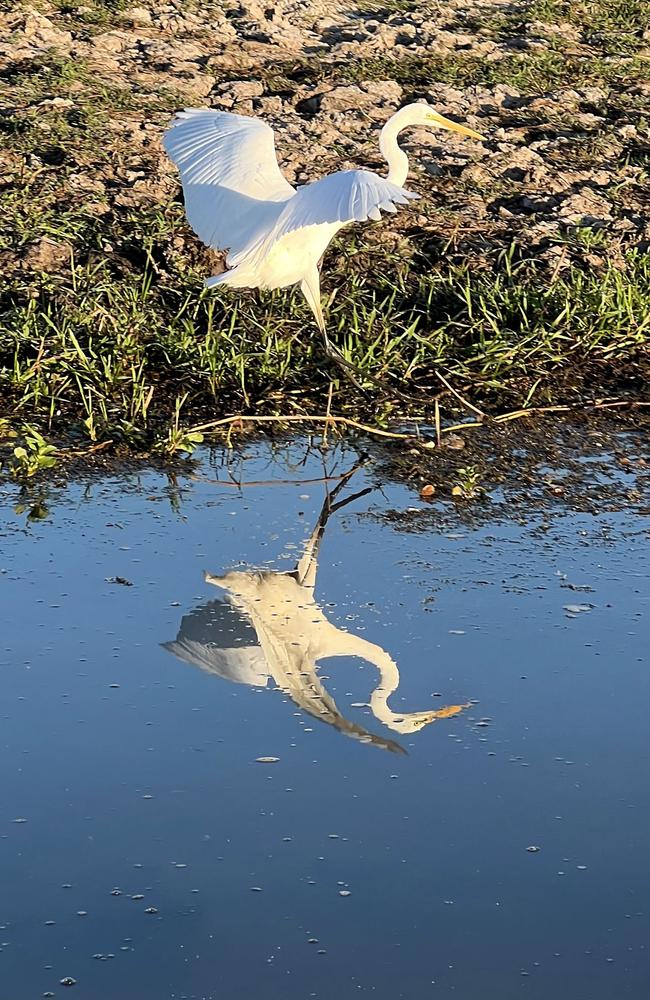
x=270 y=627
x=237 y=199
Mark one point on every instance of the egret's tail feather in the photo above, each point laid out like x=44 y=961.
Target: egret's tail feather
x=235 y=278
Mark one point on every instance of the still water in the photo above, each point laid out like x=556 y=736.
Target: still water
x=263 y=744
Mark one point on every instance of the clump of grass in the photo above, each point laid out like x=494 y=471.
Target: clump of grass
x=615 y=27
x=533 y=72
x=33 y=456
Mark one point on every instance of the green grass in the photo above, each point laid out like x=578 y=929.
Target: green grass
x=616 y=27
x=535 y=72
x=104 y=355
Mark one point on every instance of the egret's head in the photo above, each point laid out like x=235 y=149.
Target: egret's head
x=424 y=114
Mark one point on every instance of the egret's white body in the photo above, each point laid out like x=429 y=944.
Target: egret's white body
x=237 y=199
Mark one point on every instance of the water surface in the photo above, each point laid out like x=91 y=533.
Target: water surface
x=438 y=702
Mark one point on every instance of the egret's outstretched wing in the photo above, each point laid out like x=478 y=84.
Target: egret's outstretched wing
x=232 y=183
x=341 y=198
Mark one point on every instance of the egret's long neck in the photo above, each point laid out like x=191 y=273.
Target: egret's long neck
x=355 y=645
x=388 y=683
x=398 y=164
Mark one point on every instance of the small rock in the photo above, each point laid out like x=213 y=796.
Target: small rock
x=137 y=15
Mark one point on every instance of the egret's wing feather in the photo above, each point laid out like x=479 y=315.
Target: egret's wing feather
x=234 y=189
x=341 y=198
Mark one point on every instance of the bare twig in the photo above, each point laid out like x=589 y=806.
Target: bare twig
x=83 y=452
x=328 y=413
x=304 y=419
x=599 y=404
x=532 y=411
x=469 y=406
x=239 y=421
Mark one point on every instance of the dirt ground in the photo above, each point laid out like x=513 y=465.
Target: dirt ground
x=564 y=105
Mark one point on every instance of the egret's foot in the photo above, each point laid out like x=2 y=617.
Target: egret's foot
x=349 y=370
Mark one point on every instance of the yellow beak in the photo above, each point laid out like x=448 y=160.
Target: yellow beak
x=443 y=122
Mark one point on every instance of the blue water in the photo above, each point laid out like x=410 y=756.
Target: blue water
x=126 y=769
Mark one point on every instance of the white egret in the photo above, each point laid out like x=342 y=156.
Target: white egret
x=237 y=199
x=271 y=628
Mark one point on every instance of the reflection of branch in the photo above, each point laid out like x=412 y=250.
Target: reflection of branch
x=339 y=480
x=354 y=496
x=266 y=482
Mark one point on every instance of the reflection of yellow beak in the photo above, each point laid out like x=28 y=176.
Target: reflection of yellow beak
x=449 y=710
x=443 y=122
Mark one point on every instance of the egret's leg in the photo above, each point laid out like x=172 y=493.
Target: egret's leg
x=310 y=288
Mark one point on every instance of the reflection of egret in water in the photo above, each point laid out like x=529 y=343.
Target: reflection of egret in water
x=269 y=627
